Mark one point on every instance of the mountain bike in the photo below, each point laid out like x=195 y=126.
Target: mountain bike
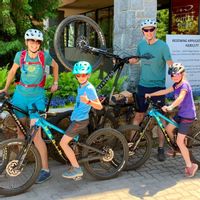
x=142 y=142
x=73 y=34
x=103 y=153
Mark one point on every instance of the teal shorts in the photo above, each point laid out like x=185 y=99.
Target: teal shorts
x=26 y=103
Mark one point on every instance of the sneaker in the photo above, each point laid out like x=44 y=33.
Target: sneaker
x=73 y=173
x=43 y=176
x=172 y=152
x=190 y=171
x=161 y=154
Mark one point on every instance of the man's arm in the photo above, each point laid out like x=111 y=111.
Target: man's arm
x=169 y=63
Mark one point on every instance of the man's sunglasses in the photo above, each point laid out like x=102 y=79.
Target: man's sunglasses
x=35 y=41
x=148 y=30
x=81 y=75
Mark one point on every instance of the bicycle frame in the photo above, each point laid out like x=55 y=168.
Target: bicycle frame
x=45 y=125
x=158 y=116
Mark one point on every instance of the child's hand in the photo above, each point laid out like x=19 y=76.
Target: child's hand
x=164 y=108
x=167 y=108
x=84 y=98
x=147 y=96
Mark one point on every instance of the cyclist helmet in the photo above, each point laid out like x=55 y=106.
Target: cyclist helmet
x=33 y=34
x=176 y=68
x=82 y=67
x=148 y=22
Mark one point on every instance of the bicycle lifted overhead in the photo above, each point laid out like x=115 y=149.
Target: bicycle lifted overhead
x=103 y=154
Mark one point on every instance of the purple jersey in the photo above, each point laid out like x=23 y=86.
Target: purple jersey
x=187 y=107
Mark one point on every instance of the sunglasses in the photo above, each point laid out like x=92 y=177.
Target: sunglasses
x=174 y=75
x=148 y=30
x=81 y=75
x=35 y=41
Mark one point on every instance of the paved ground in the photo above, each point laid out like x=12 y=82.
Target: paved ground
x=154 y=181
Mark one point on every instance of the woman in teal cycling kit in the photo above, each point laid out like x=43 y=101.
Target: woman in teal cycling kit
x=30 y=88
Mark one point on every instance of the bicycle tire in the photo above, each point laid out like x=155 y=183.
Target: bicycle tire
x=16 y=181
x=3 y=159
x=141 y=154
x=66 y=39
x=111 y=164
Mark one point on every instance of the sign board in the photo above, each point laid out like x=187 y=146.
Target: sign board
x=186 y=50
x=185 y=16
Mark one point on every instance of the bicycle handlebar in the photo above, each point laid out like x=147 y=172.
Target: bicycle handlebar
x=155 y=105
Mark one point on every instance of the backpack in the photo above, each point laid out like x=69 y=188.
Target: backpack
x=41 y=62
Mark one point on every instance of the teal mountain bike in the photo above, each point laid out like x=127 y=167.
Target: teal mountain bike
x=103 y=154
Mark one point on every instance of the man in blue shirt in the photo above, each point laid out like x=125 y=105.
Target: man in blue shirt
x=153 y=72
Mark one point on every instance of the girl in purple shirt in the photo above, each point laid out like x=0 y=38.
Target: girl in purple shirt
x=186 y=113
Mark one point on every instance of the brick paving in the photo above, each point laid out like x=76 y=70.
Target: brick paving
x=153 y=181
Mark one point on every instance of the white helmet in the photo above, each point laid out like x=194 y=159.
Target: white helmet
x=33 y=34
x=148 y=22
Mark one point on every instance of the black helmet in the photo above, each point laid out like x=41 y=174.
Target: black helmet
x=176 y=68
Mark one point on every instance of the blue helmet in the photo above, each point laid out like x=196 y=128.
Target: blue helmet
x=82 y=67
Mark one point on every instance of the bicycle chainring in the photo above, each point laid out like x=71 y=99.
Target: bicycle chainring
x=11 y=168
x=109 y=155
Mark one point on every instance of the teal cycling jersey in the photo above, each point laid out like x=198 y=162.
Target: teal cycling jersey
x=81 y=110
x=31 y=74
x=153 y=71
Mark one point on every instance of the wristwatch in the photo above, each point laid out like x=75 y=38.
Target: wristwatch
x=55 y=82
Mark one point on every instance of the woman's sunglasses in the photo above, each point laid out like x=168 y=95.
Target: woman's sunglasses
x=148 y=30
x=81 y=75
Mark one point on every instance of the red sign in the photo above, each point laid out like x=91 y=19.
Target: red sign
x=185 y=16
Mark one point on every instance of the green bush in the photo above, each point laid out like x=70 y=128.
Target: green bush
x=68 y=84
x=3 y=78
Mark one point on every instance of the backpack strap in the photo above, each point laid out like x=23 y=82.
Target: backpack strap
x=41 y=58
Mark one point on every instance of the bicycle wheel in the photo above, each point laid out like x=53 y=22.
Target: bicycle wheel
x=115 y=149
x=73 y=33
x=3 y=158
x=19 y=175
x=139 y=151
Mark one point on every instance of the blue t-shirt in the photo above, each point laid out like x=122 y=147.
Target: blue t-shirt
x=153 y=70
x=31 y=74
x=81 y=110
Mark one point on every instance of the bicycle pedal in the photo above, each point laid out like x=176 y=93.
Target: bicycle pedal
x=130 y=144
x=77 y=178
x=130 y=153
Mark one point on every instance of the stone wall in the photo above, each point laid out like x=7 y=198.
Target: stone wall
x=128 y=15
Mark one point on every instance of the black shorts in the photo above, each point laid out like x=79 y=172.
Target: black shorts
x=141 y=101
x=184 y=124
x=77 y=127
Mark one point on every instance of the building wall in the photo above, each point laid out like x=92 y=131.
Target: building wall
x=127 y=17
